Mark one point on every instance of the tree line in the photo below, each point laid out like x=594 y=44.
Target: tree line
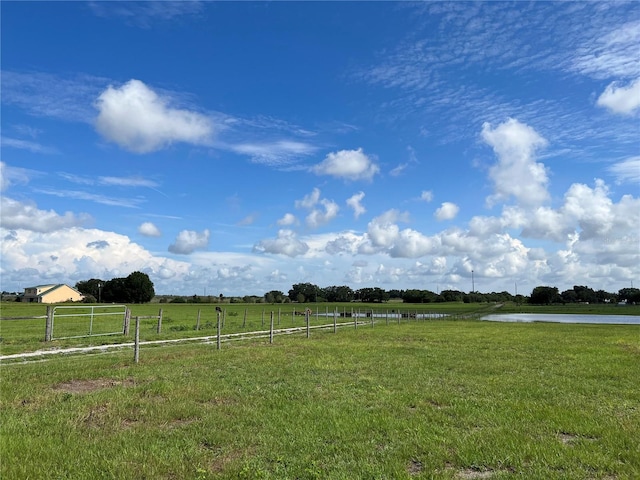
x=138 y=288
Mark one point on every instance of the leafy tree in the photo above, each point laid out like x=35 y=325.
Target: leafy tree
x=544 y=295
x=274 y=296
x=140 y=287
x=304 y=292
x=90 y=287
x=115 y=290
x=452 y=295
x=631 y=295
x=569 y=296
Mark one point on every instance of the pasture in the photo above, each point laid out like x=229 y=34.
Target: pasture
x=190 y=320
x=442 y=399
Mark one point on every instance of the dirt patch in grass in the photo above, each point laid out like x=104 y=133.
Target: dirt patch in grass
x=414 y=467
x=88 y=386
x=470 y=474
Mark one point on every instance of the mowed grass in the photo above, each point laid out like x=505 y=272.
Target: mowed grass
x=180 y=320
x=435 y=399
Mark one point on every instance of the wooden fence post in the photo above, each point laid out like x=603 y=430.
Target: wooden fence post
x=218 y=340
x=127 y=321
x=48 y=327
x=244 y=319
x=306 y=313
x=335 y=321
x=278 y=316
x=136 y=346
x=160 y=322
x=271 y=330
x=263 y=317
x=198 y=321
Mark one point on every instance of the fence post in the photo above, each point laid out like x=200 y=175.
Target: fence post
x=218 y=340
x=278 y=316
x=244 y=319
x=386 y=316
x=160 y=322
x=136 y=347
x=371 y=318
x=335 y=324
x=198 y=321
x=355 y=319
x=48 y=328
x=271 y=330
x=127 y=321
x=306 y=314
x=263 y=317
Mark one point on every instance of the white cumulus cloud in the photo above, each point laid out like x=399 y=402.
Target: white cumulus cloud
x=189 y=241
x=27 y=216
x=319 y=217
x=355 y=202
x=138 y=119
x=347 y=164
x=287 y=219
x=621 y=99
x=287 y=243
x=447 y=211
x=517 y=174
x=148 y=229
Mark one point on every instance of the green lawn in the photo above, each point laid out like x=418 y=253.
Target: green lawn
x=181 y=320
x=436 y=399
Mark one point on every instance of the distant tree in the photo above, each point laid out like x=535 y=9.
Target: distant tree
x=308 y=291
x=585 y=294
x=90 y=287
x=544 y=295
x=631 y=295
x=569 y=296
x=452 y=295
x=115 y=290
x=140 y=287
x=274 y=296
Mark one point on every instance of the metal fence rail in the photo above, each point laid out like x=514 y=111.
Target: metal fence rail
x=91 y=313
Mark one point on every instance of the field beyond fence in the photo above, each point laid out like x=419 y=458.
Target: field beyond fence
x=441 y=399
x=23 y=327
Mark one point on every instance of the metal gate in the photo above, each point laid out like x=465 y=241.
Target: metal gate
x=88 y=321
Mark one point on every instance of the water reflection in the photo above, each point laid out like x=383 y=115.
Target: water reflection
x=563 y=318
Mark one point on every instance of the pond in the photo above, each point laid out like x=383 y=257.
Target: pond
x=564 y=318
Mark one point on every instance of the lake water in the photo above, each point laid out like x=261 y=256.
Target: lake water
x=564 y=318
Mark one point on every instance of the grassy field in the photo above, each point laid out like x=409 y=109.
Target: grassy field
x=181 y=320
x=439 y=399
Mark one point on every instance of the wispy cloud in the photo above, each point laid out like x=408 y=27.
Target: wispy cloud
x=277 y=153
x=109 y=181
x=93 y=197
x=46 y=95
x=27 y=145
x=627 y=170
x=584 y=39
x=147 y=14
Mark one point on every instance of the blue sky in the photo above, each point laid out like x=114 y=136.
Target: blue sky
x=241 y=147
